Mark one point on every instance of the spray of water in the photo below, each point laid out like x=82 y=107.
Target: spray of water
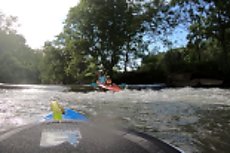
x=162 y=113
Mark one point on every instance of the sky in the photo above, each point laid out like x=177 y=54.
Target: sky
x=39 y=20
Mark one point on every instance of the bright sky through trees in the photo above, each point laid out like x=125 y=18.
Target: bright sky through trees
x=39 y=20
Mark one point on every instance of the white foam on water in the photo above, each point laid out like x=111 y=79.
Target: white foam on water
x=185 y=95
x=7 y=121
x=161 y=110
x=27 y=103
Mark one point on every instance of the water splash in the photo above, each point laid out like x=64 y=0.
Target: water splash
x=170 y=114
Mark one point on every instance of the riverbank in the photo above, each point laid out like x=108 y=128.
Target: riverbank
x=186 y=79
x=173 y=79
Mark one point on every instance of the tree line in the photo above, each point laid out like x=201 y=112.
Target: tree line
x=117 y=36
x=18 y=62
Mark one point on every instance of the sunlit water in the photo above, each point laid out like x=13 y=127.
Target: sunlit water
x=195 y=120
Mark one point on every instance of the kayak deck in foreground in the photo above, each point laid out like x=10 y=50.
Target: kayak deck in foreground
x=78 y=137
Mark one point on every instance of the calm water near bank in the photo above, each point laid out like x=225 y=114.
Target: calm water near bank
x=195 y=120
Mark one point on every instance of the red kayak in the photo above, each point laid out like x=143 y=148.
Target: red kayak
x=112 y=87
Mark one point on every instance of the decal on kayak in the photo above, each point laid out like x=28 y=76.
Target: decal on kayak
x=54 y=137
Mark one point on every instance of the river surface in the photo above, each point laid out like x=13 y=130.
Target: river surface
x=193 y=119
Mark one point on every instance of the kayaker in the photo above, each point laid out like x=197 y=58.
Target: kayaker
x=101 y=78
x=108 y=80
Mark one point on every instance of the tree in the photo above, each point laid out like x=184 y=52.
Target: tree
x=209 y=19
x=95 y=30
x=52 y=66
x=18 y=61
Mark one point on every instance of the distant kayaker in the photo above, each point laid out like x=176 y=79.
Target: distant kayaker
x=101 y=78
x=108 y=80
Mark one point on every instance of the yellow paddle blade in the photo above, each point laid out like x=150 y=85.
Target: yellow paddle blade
x=57 y=110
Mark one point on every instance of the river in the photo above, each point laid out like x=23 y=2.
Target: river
x=193 y=119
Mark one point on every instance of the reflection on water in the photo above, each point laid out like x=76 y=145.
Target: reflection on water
x=196 y=120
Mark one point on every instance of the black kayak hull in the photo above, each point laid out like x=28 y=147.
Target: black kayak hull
x=79 y=137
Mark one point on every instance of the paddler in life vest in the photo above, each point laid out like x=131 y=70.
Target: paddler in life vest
x=108 y=80
x=101 y=78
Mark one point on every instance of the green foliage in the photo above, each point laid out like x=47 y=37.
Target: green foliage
x=19 y=63
x=207 y=20
x=52 y=67
x=111 y=34
x=153 y=63
x=176 y=61
x=7 y=23
x=117 y=35
x=108 y=32
x=94 y=29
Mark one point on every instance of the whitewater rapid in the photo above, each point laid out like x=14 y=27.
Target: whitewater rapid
x=163 y=113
